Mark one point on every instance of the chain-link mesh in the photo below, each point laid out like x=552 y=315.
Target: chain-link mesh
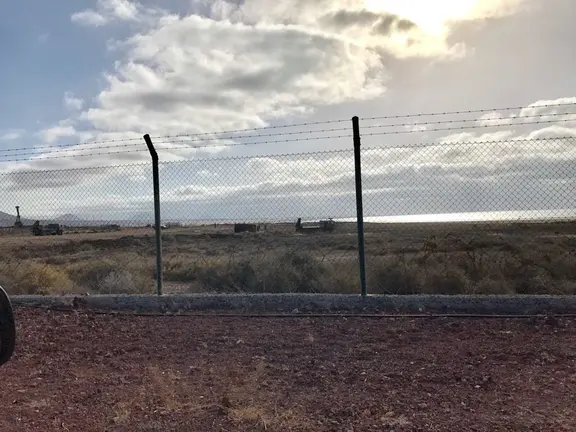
x=465 y=217
x=471 y=217
x=261 y=224
x=85 y=230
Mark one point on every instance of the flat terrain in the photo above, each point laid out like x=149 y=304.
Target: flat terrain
x=438 y=258
x=75 y=371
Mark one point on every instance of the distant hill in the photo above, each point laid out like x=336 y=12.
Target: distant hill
x=68 y=217
x=7 y=220
x=70 y=220
x=142 y=216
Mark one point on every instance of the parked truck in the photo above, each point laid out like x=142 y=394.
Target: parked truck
x=49 y=229
x=327 y=225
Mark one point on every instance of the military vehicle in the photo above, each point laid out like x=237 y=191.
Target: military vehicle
x=50 y=229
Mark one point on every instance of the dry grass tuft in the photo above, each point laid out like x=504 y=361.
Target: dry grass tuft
x=256 y=416
x=401 y=259
x=30 y=277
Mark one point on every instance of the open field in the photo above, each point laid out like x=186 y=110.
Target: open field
x=442 y=258
x=75 y=371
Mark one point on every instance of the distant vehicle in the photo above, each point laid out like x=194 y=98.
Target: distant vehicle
x=327 y=225
x=173 y=225
x=50 y=229
x=244 y=227
x=154 y=226
x=53 y=229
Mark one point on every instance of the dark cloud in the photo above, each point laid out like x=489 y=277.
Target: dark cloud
x=261 y=80
x=347 y=18
x=157 y=100
x=388 y=23
x=381 y=23
x=404 y=24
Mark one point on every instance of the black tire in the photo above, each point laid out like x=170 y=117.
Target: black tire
x=7 y=328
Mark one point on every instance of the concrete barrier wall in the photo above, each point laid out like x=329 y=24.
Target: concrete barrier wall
x=310 y=303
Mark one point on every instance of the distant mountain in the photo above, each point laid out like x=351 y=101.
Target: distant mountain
x=68 y=218
x=7 y=220
x=72 y=220
x=142 y=216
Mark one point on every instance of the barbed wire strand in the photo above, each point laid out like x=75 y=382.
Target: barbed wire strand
x=474 y=111
x=194 y=139
x=63 y=149
x=280 y=155
x=466 y=143
x=371 y=118
x=74 y=147
x=461 y=128
x=252 y=143
x=362 y=134
x=510 y=121
x=73 y=156
x=176 y=136
x=172 y=148
x=236 y=131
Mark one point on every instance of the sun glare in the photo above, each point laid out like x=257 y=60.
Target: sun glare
x=430 y=15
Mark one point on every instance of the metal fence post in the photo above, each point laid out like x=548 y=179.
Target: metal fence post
x=157 y=221
x=359 y=208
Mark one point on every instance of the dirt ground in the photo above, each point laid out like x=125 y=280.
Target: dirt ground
x=76 y=371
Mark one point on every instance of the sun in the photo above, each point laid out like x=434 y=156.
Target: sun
x=430 y=15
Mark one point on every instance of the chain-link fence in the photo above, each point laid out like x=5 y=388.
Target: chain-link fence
x=261 y=224
x=471 y=217
x=486 y=217
x=77 y=230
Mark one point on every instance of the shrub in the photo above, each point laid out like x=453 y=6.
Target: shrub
x=448 y=280
x=122 y=274
x=489 y=286
x=35 y=278
x=90 y=274
x=389 y=275
x=285 y=272
x=119 y=282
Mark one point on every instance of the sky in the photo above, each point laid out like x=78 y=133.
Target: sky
x=83 y=80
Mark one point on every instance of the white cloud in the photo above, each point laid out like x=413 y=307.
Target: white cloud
x=11 y=135
x=565 y=109
x=196 y=74
x=542 y=119
x=52 y=134
x=245 y=64
x=249 y=63
x=72 y=102
x=493 y=119
x=89 y=18
x=508 y=169
x=415 y=128
x=109 y=11
x=121 y=9
x=475 y=136
x=233 y=67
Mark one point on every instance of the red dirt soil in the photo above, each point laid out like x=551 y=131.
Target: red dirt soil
x=77 y=371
